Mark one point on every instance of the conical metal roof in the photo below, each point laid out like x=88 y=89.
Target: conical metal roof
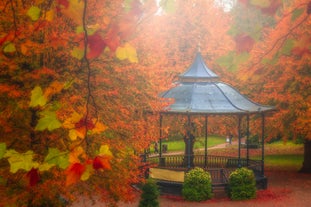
x=198 y=71
x=199 y=92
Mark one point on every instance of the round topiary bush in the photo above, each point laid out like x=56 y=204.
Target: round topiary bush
x=242 y=184
x=197 y=185
x=150 y=194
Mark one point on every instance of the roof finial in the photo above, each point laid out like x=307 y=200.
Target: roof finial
x=199 y=44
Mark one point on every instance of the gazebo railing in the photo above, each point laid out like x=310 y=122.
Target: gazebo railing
x=177 y=162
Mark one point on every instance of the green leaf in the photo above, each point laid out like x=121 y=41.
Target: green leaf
x=20 y=161
x=55 y=157
x=127 y=5
x=168 y=5
x=9 y=48
x=37 y=97
x=261 y=3
x=231 y=61
x=287 y=47
x=34 y=13
x=48 y=121
x=296 y=14
x=2 y=149
x=77 y=53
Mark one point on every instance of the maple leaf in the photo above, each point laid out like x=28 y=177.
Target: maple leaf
x=20 y=160
x=102 y=162
x=33 y=176
x=74 y=10
x=64 y=3
x=37 y=98
x=54 y=88
x=168 y=6
x=9 y=48
x=77 y=155
x=104 y=151
x=112 y=39
x=34 y=13
x=127 y=52
x=77 y=52
x=55 y=157
x=74 y=173
x=99 y=127
x=244 y=43
x=85 y=123
x=96 y=45
x=2 y=149
x=49 y=15
x=48 y=121
x=87 y=173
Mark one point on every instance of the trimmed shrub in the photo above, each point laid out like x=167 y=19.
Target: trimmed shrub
x=242 y=184
x=197 y=185
x=150 y=194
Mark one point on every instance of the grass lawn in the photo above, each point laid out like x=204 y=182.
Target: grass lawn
x=179 y=145
x=284 y=162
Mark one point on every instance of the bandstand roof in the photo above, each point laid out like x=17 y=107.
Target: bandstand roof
x=199 y=91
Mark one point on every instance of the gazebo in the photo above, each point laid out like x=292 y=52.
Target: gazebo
x=200 y=93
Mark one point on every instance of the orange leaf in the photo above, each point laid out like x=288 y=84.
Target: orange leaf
x=74 y=173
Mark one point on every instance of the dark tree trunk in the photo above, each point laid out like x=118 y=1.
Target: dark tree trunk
x=306 y=166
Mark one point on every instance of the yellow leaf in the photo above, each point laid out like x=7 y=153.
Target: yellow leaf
x=37 y=98
x=73 y=134
x=19 y=161
x=76 y=155
x=104 y=151
x=9 y=48
x=121 y=53
x=87 y=173
x=72 y=120
x=45 y=166
x=127 y=52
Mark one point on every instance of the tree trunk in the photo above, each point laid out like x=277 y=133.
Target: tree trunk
x=306 y=166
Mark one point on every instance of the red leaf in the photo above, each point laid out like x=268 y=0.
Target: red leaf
x=112 y=38
x=74 y=173
x=101 y=162
x=33 y=176
x=275 y=4
x=244 y=1
x=300 y=51
x=96 y=45
x=85 y=123
x=64 y=3
x=244 y=43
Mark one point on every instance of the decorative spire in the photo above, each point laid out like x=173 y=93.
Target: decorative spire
x=199 y=44
x=198 y=71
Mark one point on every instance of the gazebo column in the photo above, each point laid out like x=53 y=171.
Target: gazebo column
x=205 y=152
x=247 y=140
x=262 y=144
x=239 y=140
x=161 y=160
x=189 y=142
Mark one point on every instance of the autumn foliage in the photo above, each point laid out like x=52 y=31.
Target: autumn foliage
x=79 y=83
